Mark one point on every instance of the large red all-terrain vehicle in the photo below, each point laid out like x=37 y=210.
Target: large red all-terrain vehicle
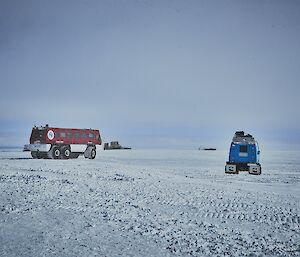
x=63 y=143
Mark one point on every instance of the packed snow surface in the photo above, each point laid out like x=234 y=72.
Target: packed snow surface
x=148 y=203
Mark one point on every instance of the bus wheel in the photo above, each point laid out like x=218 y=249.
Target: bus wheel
x=39 y=155
x=33 y=154
x=56 y=152
x=92 y=154
x=87 y=152
x=66 y=153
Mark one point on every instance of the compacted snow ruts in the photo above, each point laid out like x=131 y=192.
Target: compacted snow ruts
x=147 y=203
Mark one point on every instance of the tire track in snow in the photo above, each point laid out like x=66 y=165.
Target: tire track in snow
x=235 y=210
x=246 y=212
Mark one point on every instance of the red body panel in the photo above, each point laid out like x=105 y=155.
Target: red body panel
x=50 y=135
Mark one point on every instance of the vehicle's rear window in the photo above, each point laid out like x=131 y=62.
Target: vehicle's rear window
x=243 y=148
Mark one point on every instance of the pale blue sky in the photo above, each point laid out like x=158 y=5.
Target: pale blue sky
x=151 y=72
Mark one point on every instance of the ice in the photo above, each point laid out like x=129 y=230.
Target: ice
x=148 y=203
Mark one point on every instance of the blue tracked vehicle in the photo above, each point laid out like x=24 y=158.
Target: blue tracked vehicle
x=243 y=155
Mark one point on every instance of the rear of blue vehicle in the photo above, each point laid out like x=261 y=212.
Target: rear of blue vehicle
x=243 y=155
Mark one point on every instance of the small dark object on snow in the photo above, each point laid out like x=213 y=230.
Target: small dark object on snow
x=207 y=148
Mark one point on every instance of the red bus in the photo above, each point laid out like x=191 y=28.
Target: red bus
x=63 y=143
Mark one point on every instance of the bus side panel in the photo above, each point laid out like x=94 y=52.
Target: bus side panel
x=72 y=136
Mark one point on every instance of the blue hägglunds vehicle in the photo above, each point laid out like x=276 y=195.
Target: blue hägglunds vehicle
x=243 y=155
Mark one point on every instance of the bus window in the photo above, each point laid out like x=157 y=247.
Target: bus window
x=62 y=134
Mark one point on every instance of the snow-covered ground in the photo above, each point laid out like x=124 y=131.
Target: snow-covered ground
x=148 y=203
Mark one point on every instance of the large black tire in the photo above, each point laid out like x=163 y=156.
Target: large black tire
x=56 y=152
x=93 y=154
x=86 y=153
x=65 y=152
x=39 y=155
x=90 y=152
x=34 y=155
